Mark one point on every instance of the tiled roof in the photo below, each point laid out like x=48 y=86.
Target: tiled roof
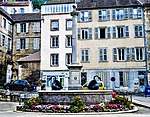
x=35 y=57
x=3 y=12
x=106 y=3
x=26 y=17
x=59 y=1
x=21 y=3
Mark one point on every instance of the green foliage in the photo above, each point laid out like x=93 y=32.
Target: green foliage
x=29 y=102
x=123 y=100
x=77 y=105
x=11 y=0
x=37 y=3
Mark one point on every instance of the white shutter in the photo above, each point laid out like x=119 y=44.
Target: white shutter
x=27 y=43
x=114 y=32
x=34 y=27
x=17 y=44
x=18 y=27
x=96 y=33
x=36 y=43
x=38 y=27
x=6 y=42
x=27 y=27
x=108 y=32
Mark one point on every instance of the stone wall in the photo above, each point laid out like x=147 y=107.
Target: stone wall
x=65 y=97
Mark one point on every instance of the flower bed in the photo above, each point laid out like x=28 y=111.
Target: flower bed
x=120 y=103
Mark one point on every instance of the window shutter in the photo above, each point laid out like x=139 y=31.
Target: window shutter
x=6 y=42
x=38 y=27
x=132 y=54
x=108 y=33
x=90 y=15
x=36 y=42
x=79 y=17
x=108 y=14
x=114 y=31
x=27 y=27
x=96 y=32
x=27 y=43
x=126 y=13
x=114 y=54
x=100 y=54
x=18 y=27
x=90 y=33
x=126 y=31
x=139 y=12
x=131 y=13
x=79 y=33
x=17 y=44
x=34 y=27
x=128 y=54
x=100 y=15
x=113 y=14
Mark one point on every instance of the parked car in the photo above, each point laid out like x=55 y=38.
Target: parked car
x=19 y=85
x=93 y=85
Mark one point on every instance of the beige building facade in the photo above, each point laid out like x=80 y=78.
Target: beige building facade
x=111 y=43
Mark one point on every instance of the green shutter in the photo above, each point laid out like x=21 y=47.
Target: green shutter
x=90 y=33
x=96 y=32
x=89 y=15
x=113 y=14
x=108 y=14
x=131 y=13
x=114 y=54
x=126 y=31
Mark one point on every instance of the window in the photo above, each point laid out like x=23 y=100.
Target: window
x=120 y=31
x=85 y=33
x=68 y=24
x=62 y=81
x=121 y=78
x=120 y=14
x=85 y=55
x=83 y=78
x=22 y=43
x=119 y=54
x=68 y=41
x=102 y=33
x=102 y=54
x=3 y=40
x=4 y=23
x=22 y=27
x=22 y=10
x=139 y=53
x=9 y=27
x=54 y=25
x=54 y=59
x=54 y=41
x=138 y=31
x=85 y=16
x=104 y=15
x=68 y=58
x=36 y=27
x=36 y=43
x=135 y=13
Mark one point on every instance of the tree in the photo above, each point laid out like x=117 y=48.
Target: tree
x=37 y=3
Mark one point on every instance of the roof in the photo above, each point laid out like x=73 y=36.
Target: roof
x=59 y=1
x=19 y=3
x=26 y=17
x=4 y=13
x=35 y=57
x=106 y=3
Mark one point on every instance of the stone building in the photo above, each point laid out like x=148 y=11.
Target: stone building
x=6 y=23
x=27 y=38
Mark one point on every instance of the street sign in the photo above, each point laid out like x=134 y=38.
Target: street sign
x=113 y=79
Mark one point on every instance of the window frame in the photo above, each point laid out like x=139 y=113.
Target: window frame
x=68 y=28
x=104 y=55
x=54 y=41
x=52 y=28
x=54 y=59
x=68 y=41
x=85 y=55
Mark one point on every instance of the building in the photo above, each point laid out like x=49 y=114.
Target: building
x=56 y=36
x=6 y=24
x=111 y=43
x=17 y=7
x=27 y=39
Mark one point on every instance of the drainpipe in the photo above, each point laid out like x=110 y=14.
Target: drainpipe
x=12 y=43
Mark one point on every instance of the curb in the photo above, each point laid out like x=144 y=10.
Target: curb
x=135 y=109
x=138 y=103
